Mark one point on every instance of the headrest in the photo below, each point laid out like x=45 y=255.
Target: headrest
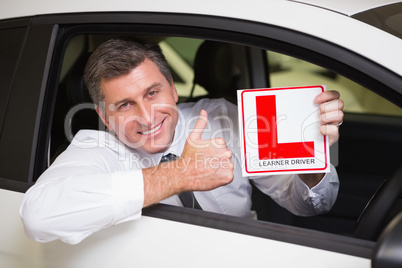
x=214 y=69
x=84 y=116
x=77 y=92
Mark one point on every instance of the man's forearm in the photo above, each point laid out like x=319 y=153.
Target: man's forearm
x=161 y=182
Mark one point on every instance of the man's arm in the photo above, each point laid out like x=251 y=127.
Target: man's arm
x=79 y=194
x=72 y=200
x=291 y=193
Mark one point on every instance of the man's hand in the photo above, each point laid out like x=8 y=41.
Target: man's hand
x=208 y=162
x=331 y=114
x=204 y=165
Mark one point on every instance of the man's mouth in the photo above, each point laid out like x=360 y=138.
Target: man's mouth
x=152 y=130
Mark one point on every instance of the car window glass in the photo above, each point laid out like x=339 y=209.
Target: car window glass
x=387 y=18
x=9 y=51
x=289 y=71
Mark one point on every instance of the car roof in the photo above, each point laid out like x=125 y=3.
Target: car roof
x=348 y=7
x=23 y=8
x=323 y=19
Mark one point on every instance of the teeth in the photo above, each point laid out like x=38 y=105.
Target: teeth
x=152 y=130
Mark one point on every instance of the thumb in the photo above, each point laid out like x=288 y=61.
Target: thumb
x=199 y=126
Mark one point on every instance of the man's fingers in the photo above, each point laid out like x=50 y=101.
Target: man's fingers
x=333 y=105
x=330 y=107
x=327 y=96
x=199 y=126
x=332 y=117
x=218 y=143
x=331 y=131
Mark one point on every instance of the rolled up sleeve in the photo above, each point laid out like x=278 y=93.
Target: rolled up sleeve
x=290 y=192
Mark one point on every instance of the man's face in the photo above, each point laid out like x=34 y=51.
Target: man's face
x=140 y=108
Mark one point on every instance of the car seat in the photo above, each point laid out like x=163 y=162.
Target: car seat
x=74 y=109
x=215 y=70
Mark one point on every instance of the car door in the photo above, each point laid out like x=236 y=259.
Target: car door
x=24 y=64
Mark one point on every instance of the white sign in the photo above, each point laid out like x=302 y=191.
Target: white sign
x=279 y=130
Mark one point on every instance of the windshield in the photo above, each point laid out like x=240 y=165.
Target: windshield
x=387 y=18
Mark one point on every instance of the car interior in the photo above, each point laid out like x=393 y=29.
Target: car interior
x=368 y=152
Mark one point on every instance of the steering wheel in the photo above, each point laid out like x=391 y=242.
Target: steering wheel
x=374 y=216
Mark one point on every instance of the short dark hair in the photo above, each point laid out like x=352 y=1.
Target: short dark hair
x=117 y=57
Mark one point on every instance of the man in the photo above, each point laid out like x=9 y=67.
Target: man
x=105 y=178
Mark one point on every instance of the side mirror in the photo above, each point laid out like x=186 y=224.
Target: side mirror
x=388 y=251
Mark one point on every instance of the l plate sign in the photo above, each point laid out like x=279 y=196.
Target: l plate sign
x=280 y=131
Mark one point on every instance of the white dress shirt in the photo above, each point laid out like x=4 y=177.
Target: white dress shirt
x=97 y=181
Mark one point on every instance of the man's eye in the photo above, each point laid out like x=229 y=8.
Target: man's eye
x=124 y=105
x=152 y=93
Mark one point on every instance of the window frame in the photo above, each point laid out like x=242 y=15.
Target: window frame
x=18 y=141
x=12 y=25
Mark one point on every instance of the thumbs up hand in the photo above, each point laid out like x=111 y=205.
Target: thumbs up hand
x=206 y=164
x=194 y=139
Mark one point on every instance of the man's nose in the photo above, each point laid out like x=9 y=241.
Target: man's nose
x=145 y=114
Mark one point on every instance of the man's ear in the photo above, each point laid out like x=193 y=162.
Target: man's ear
x=102 y=114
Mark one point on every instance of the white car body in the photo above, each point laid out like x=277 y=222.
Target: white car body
x=321 y=21
x=154 y=242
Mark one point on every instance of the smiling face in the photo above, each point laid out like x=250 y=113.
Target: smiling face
x=140 y=107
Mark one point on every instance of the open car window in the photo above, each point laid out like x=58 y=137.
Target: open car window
x=250 y=67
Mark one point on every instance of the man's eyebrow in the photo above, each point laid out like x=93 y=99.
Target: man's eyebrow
x=154 y=85
x=121 y=101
